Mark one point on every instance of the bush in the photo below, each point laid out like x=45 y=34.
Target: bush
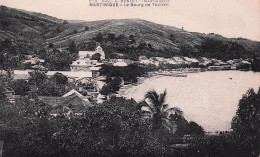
x=20 y=87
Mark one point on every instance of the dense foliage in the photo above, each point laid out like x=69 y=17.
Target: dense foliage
x=32 y=32
x=246 y=123
x=123 y=46
x=112 y=85
x=119 y=127
x=20 y=87
x=57 y=85
x=128 y=73
x=255 y=66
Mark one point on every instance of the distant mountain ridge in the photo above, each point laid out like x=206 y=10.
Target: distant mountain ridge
x=39 y=30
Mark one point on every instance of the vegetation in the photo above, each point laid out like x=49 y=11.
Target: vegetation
x=128 y=73
x=42 y=35
x=121 y=127
x=246 y=123
x=58 y=60
x=57 y=85
x=96 y=56
x=117 y=127
x=158 y=111
x=255 y=66
x=112 y=86
x=20 y=87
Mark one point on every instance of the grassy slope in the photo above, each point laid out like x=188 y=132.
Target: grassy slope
x=41 y=29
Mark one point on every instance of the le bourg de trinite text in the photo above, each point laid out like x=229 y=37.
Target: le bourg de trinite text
x=129 y=3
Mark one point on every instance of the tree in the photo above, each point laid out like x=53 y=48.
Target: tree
x=65 y=22
x=186 y=49
x=59 y=78
x=158 y=111
x=51 y=45
x=2 y=93
x=37 y=77
x=246 y=123
x=111 y=37
x=61 y=60
x=114 y=128
x=20 y=87
x=96 y=56
x=51 y=88
x=87 y=28
x=99 y=37
x=106 y=89
x=116 y=83
x=72 y=47
x=255 y=66
x=195 y=129
x=132 y=39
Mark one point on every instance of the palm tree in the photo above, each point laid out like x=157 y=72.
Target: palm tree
x=158 y=111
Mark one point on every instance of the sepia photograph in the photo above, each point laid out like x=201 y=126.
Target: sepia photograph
x=129 y=78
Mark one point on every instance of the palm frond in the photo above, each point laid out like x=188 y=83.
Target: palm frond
x=164 y=107
x=145 y=104
x=153 y=97
x=162 y=97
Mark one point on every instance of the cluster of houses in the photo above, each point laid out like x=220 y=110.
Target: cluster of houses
x=33 y=61
x=209 y=63
x=84 y=73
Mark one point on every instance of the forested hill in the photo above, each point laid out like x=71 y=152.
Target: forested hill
x=125 y=38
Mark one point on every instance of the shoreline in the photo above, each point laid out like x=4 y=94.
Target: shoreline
x=154 y=75
x=123 y=90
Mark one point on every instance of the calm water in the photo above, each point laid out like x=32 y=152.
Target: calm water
x=208 y=98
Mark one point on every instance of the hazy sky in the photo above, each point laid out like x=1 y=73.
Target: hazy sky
x=230 y=18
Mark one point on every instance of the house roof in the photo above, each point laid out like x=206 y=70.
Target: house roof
x=95 y=68
x=77 y=102
x=83 y=54
x=178 y=59
x=73 y=91
x=170 y=61
x=205 y=59
x=24 y=74
x=194 y=60
x=153 y=59
x=51 y=100
x=80 y=63
x=245 y=62
x=160 y=58
x=73 y=74
x=21 y=74
x=120 y=64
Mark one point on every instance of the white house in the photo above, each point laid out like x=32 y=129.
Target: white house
x=179 y=60
x=191 y=60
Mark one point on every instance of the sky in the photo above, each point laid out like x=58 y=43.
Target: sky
x=229 y=18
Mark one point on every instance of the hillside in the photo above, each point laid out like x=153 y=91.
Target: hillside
x=37 y=30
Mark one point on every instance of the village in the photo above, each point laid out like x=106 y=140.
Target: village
x=80 y=79
x=85 y=75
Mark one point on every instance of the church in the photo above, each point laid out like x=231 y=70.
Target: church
x=89 y=54
x=85 y=63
